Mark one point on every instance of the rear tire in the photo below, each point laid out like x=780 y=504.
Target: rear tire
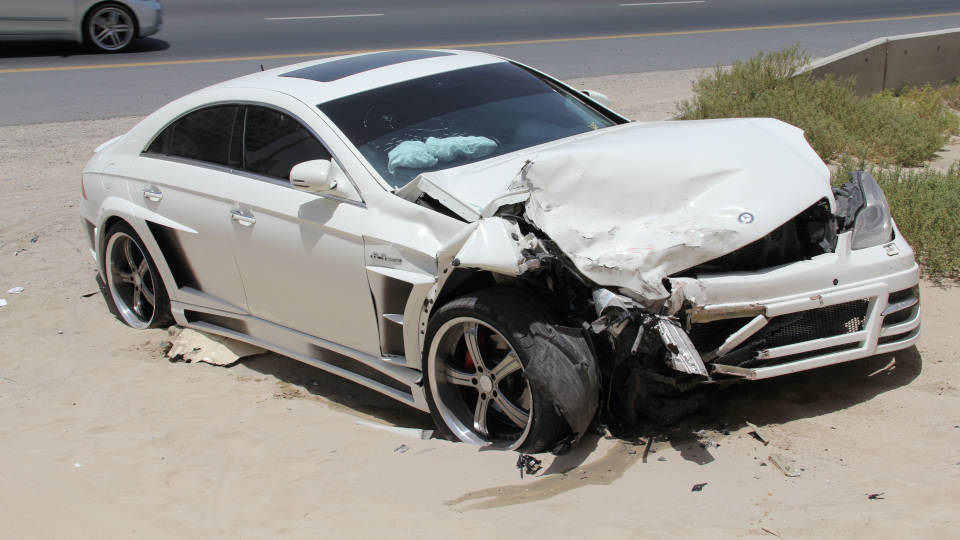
x=135 y=286
x=498 y=374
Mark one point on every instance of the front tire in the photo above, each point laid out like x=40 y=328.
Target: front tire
x=498 y=374
x=109 y=28
x=132 y=279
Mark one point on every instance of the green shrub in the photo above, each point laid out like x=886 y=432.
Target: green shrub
x=884 y=128
x=924 y=204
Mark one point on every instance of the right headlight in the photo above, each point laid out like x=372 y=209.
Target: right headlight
x=873 y=224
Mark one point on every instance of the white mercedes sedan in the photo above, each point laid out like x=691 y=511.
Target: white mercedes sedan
x=481 y=241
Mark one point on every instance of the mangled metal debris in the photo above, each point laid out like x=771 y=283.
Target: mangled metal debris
x=528 y=464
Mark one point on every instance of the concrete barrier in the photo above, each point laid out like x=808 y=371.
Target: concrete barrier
x=897 y=61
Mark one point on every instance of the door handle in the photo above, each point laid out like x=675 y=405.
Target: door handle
x=152 y=194
x=241 y=218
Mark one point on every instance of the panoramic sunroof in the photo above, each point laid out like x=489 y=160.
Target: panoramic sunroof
x=338 y=69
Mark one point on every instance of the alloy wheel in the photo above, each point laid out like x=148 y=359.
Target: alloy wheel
x=110 y=28
x=478 y=384
x=130 y=280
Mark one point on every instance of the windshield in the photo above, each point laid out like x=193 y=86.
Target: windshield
x=453 y=118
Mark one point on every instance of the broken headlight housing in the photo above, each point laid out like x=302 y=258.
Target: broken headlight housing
x=873 y=224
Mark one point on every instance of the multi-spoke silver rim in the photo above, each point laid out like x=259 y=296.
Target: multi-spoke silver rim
x=111 y=28
x=130 y=280
x=479 y=387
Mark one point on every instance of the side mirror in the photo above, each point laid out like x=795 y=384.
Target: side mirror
x=315 y=176
x=597 y=96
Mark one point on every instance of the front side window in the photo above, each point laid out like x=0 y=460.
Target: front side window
x=203 y=135
x=453 y=118
x=273 y=142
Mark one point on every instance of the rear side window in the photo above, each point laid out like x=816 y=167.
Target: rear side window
x=274 y=142
x=204 y=135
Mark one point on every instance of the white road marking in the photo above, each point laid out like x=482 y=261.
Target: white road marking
x=665 y=3
x=323 y=17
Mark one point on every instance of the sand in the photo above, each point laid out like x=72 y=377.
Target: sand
x=101 y=436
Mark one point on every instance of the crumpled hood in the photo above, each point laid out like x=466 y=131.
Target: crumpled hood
x=633 y=204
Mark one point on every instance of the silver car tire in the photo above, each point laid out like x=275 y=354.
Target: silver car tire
x=135 y=286
x=478 y=354
x=109 y=28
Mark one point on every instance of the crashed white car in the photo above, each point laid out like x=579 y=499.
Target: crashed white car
x=478 y=240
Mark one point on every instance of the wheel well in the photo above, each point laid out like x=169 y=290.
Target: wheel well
x=463 y=282
x=102 y=233
x=91 y=9
x=555 y=286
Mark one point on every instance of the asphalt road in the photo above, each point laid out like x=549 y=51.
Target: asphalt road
x=204 y=41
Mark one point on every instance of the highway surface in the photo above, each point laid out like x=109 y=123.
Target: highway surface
x=204 y=41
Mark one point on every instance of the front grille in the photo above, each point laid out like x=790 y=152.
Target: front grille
x=780 y=331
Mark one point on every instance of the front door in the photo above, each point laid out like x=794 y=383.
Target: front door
x=300 y=254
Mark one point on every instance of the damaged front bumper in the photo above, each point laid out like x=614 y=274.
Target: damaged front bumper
x=833 y=308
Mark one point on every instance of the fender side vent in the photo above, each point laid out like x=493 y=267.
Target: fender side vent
x=173 y=254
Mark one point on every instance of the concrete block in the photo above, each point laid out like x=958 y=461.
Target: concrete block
x=864 y=62
x=897 y=61
x=923 y=59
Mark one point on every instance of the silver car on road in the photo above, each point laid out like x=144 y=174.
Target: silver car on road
x=106 y=26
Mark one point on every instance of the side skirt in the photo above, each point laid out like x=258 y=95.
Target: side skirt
x=380 y=374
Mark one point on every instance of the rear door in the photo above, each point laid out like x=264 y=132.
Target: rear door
x=184 y=176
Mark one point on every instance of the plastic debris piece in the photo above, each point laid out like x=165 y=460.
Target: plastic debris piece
x=529 y=464
x=661 y=458
x=192 y=346
x=784 y=464
x=422 y=434
x=77 y=464
x=698 y=487
x=3 y=302
x=875 y=496
x=401 y=449
x=15 y=290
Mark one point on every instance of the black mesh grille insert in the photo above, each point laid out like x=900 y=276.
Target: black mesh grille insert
x=710 y=335
x=815 y=324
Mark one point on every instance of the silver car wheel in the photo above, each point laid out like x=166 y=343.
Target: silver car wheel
x=110 y=28
x=478 y=384
x=130 y=280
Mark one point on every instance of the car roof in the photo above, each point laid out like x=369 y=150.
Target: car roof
x=319 y=81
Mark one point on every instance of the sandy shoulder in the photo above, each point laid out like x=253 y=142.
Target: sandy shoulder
x=102 y=437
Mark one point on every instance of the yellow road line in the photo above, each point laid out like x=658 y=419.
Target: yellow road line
x=480 y=44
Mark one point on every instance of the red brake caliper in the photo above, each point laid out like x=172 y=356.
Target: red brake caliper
x=468 y=362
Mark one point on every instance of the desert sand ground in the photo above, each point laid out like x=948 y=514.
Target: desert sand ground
x=102 y=437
